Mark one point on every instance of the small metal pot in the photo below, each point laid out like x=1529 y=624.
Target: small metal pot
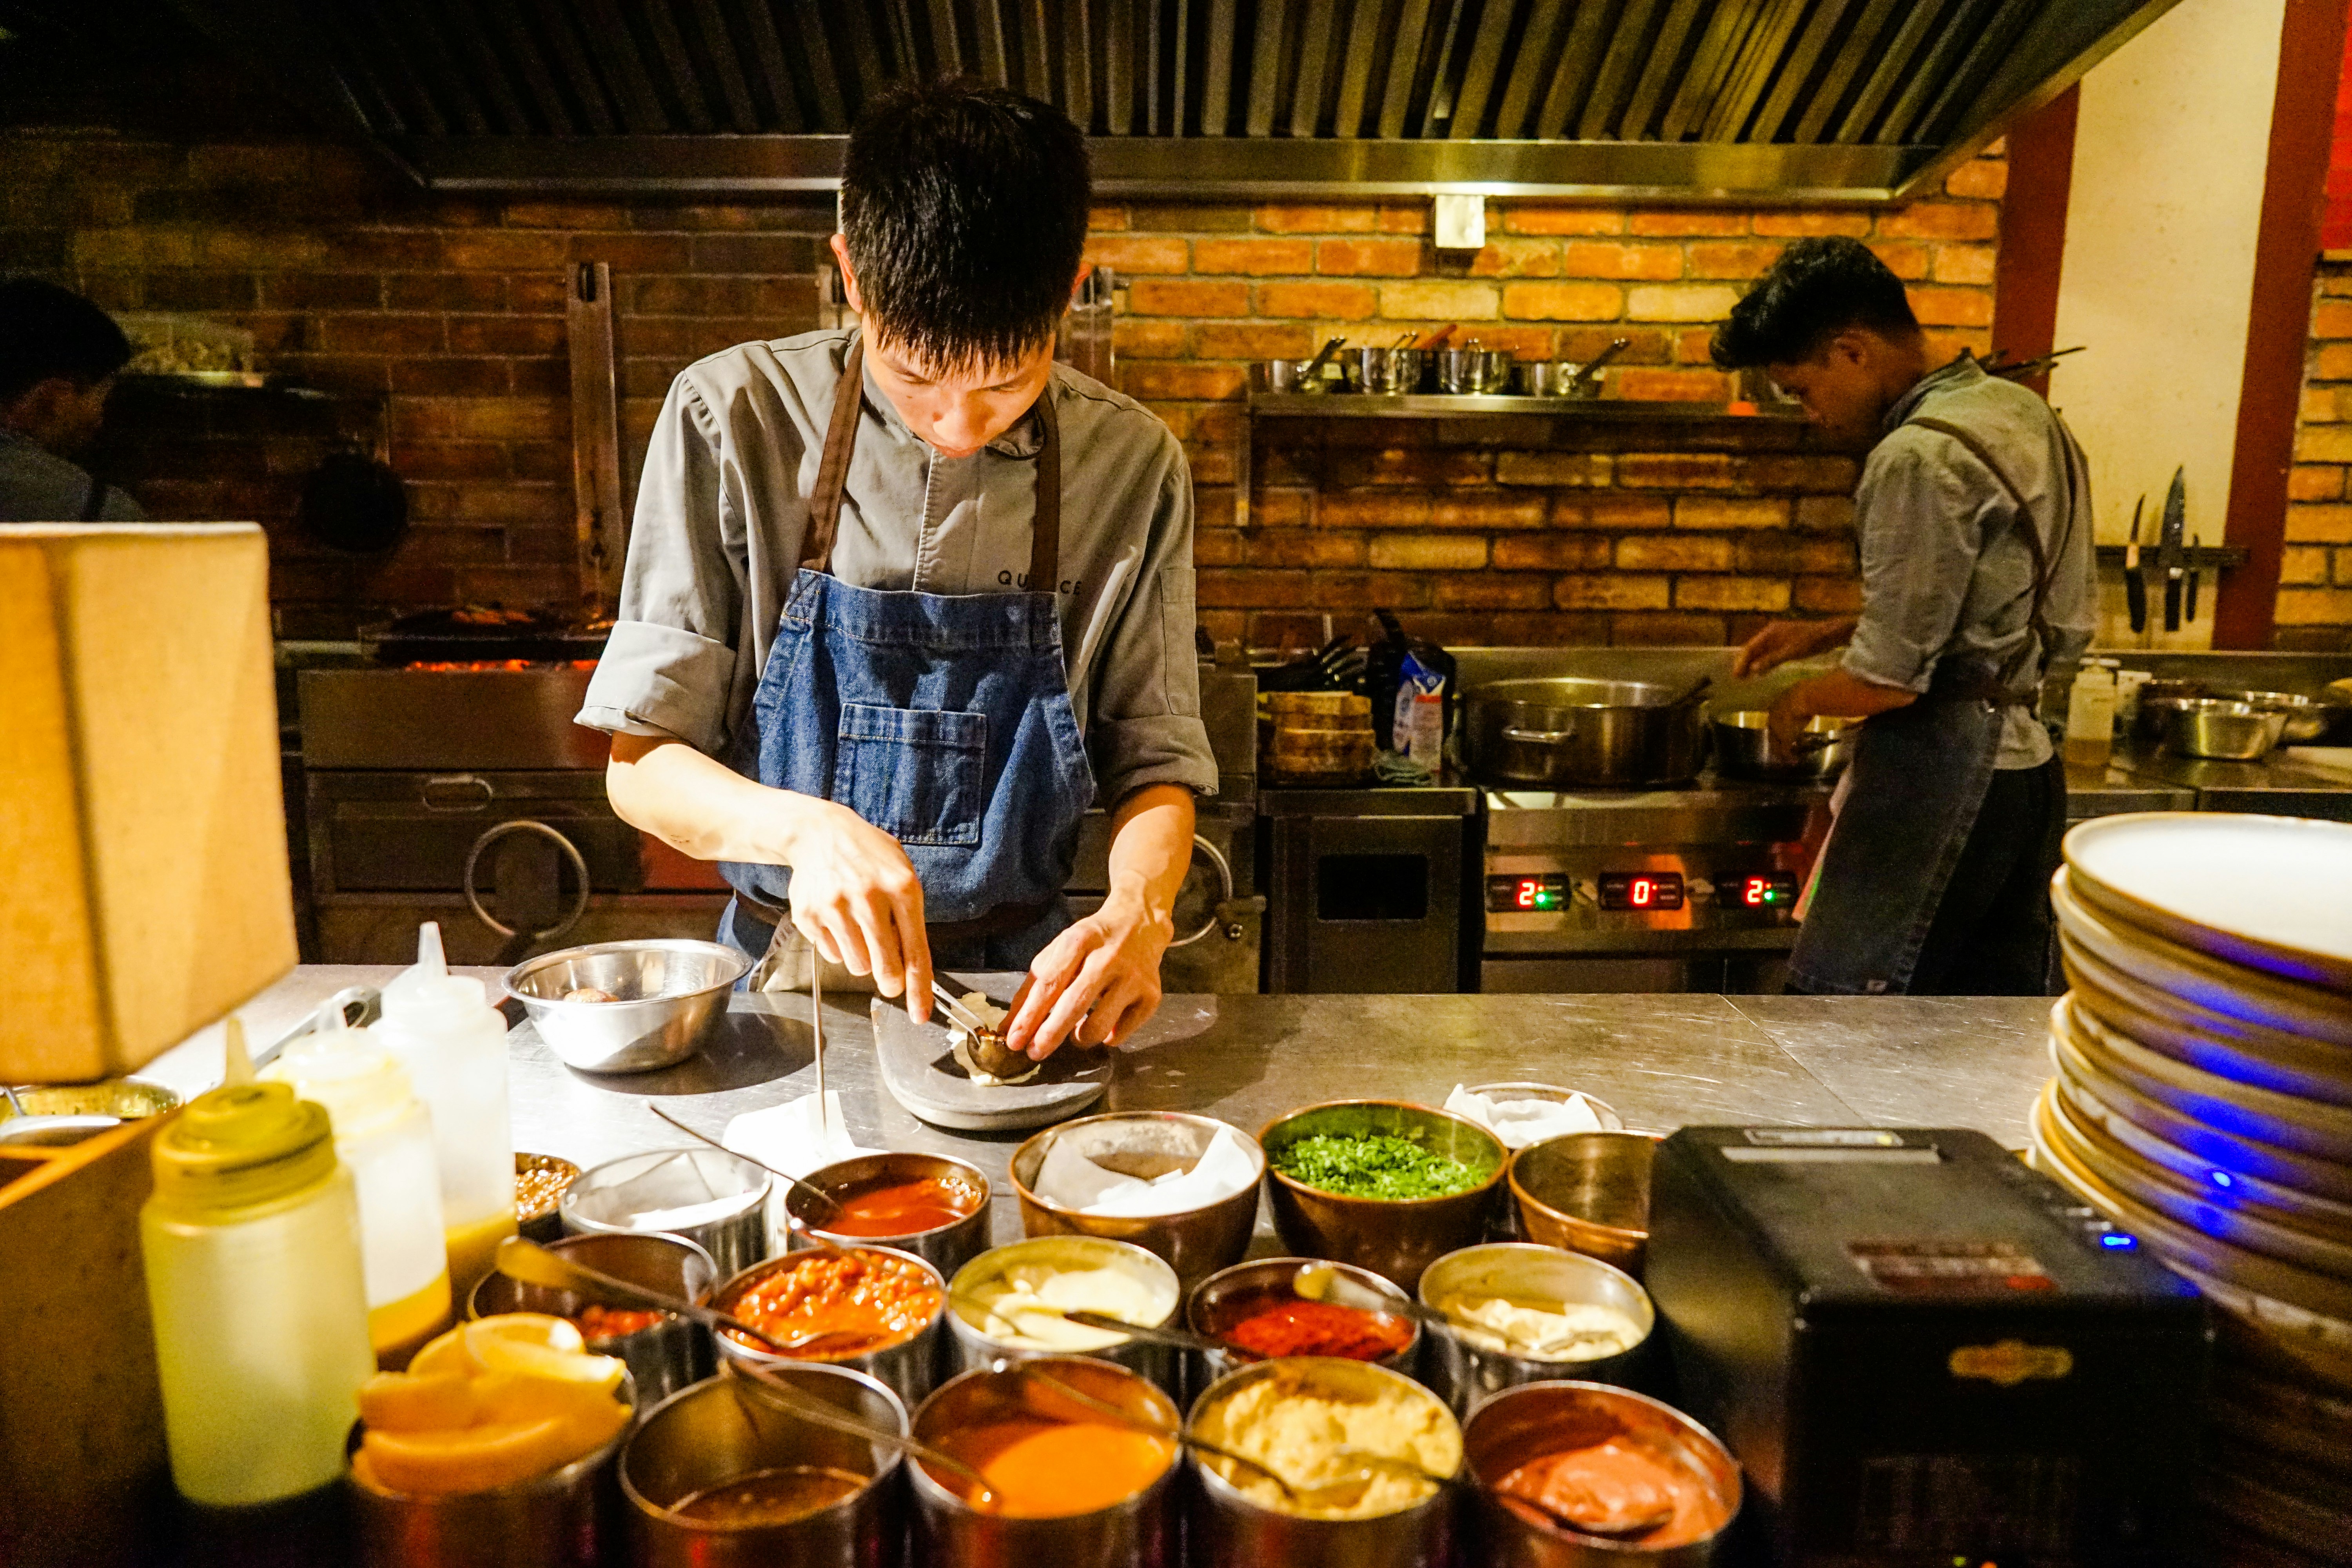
x=1588 y=1192
x=672 y=1354
x=1569 y=731
x=2157 y=698
x=1555 y=378
x=1464 y=1374
x=721 y=1431
x=976 y=1347
x=1137 y=1532
x=1474 y=370
x=1743 y=747
x=2216 y=728
x=1393 y=371
x=910 y=1368
x=946 y=1248
x=1291 y=375
x=1525 y=1424
x=673 y=994
x=732 y=1192
x=1203 y=1313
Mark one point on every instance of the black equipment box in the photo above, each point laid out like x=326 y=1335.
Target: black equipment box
x=1923 y=1353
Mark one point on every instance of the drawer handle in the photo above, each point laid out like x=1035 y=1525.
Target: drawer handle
x=571 y=853
x=457 y=792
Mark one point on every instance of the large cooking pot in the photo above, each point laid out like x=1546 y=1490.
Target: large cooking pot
x=1570 y=731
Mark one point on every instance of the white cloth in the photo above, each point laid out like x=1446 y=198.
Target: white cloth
x=1072 y=1180
x=794 y=1140
x=1520 y=1122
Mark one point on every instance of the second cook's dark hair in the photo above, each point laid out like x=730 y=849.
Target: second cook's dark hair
x=1817 y=289
x=47 y=333
x=965 y=210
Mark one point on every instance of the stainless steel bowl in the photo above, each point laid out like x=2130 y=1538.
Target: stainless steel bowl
x=1573 y=731
x=1743 y=747
x=946 y=1248
x=1291 y=375
x=1205 y=1315
x=1588 y=1192
x=1464 y=1373
x=60 y=1114
x=2217 y=728
x=910 y=1368
x=2307 y=718
x=673 y=1353
x=1390 y=372
x=980 y=1342
x=708 y=1196
x=672 y=991
x=1474 y=369
x=1147 y=1144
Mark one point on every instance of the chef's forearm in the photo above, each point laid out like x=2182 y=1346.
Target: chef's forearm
x=1842 y=694
x=1151 y=847
x=700 y=806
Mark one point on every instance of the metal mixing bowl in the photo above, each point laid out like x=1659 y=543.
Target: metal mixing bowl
x=2307 y=718
x=1463 y=1372
x=2215 y=727
x=672 y=992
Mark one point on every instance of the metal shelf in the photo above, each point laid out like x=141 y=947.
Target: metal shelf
x=1453 y=406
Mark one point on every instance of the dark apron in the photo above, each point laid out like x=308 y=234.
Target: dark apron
x=1919 y=777
x=944 y=720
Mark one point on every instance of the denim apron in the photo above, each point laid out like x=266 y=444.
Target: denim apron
x=944 y=720
x=1917 y=781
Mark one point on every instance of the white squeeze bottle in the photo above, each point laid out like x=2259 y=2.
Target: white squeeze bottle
x=2091 y=716
x=384 y=1138
x=453 y=1043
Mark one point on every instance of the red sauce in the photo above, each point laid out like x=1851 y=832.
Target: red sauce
x=901 y=1209
x=1611 y=1485
x=597 y=1323
x=870 y=1299
x=1274 y=1322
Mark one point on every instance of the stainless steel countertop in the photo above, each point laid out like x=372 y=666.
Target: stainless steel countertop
x=1661 y=1061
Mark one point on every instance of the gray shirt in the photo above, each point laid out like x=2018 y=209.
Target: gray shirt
x=1945 y=569
x=721 y=507
x=38 y=486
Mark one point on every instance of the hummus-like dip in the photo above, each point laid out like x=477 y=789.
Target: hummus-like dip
x=1567 y=1331
x=1021 y=1306
x=1294 y=1420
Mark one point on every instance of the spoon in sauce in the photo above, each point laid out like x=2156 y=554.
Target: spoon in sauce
x=1104 y=1321
x=535 y=1264
x=818 y=1413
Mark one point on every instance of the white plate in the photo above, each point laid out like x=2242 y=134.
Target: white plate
x=2274 y=893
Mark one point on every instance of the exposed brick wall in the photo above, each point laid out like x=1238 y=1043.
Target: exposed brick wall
x=2315 y=596
x=448 y=314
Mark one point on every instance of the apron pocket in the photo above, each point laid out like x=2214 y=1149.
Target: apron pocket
x=914 y=773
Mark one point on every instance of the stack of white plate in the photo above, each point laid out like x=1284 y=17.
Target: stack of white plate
x=2203 y=1101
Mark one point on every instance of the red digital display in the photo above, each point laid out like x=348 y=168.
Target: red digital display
x=1771 y=890
x=1527 y=895
x=1641 y=891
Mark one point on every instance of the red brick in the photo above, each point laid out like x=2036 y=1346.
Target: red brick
x=2319 y=524
x=1438 y=299
x=1507 y=257
x=1790 y=553
x=1677 y=630
x=322 y=291
x=536 y=292
x=1828 y=595
x=1177 y=382
x=1326 y=302
x=2332 y=362
x=1364 y=257
x=2304 y=483
x=565 y=215
x=1391 y=590
x=1814 y=472
x=1187 y=296
x=2315 y=607
x=1492 y=591
x=512 y=503
x=1319 y=219
x=445 y=291
x=1133 y=253
x=1099 y=218
x=1613 y=591
x=1372 y=508
x=1563 y=220
x=1563 y=301
x=1952 y=307
x=2302 y=564
x=1679 y=470
x=1552 y=469
x=1680 y=303
x=2324 y=444
x=1644 y=346
x=1490 y=510
x=1245 y=588
x=1215 y=546
x=1189 y=217
x=1407 y=219
x=1251 y=340
x=1941 y=220
x=1571 y=508
x=2332 y=319
x=1427 y=553
x=1313 y=547
x=1823 y=514
x=1552 y=551
x=1524 y=343
x=450 y=460
x=1812 y=221
x=1695 y=346
x=1679 y=221
x=1550 y=629
x=2318 y=405
x=1656 y=553
x=1984 y=178
x=1722 y=512
x=1637 y=384
x=450 y=377
x=506 y=335
x=1907 y=259
x=1731 y=593
x=1254 y=258
x=481 y=418
x=1964 y=263
x=1731 y=258
x=1346 y=466
x=188 y=291
x=769 y=253
x=504 y=251
x=1644 y=261
x=383 y=334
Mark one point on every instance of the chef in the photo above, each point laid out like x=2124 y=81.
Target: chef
x=903 y=601
x=58 y=356
x=1973 y=516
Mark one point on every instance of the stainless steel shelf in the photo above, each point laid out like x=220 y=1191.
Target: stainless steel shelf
x=1451 y=405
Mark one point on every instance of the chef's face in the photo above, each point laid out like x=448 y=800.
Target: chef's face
x=1843 y=384
x=59 y=416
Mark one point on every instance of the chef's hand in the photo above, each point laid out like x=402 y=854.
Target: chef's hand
x=855 y=897
x=1781 y=641
x=1786 y=721
x=1098 y=982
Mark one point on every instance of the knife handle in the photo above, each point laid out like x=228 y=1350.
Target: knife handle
x=2172 y=601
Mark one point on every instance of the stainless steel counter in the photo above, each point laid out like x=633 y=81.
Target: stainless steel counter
x=1663 y=1060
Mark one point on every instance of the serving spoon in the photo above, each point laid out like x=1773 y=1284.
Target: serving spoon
x=818 y=1413
x=1176 y=1338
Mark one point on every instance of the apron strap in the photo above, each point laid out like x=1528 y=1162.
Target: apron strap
x=2022 y=520
x=833 y=479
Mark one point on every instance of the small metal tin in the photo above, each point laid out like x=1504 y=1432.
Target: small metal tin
x=910 y=1368
x=1395 y=1239
x=1138 y=1532
x=1392 y=373
x=1474 y=370
x=946 y=1248
x=663 y=1359
x=974 y=1348
x=720 y=1431
x=1589 y=1193
x=605 y=1198
x=1463 y=1373
x=1261 y=1273
x=545 y=1224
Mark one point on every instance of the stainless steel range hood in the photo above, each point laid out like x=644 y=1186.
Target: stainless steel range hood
x=1659 y=99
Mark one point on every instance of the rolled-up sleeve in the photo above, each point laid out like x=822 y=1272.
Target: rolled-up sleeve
x=1144 y=722
x=668 y=666
x=1922 y=530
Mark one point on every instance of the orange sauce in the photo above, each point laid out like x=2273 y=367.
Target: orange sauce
x=871 y=1298
x=1616 y=1480
x=1051 y=1469
x=901 y=1209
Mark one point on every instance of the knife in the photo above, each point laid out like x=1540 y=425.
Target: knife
x=2196 y=543
x=2135 y=585
x=2176 y=509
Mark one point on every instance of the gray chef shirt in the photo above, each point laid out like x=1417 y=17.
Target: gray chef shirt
x=38 y=486
x=1945 y=570
x=721 y=507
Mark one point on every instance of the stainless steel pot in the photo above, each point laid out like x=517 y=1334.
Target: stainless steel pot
x=1392 y=372
x=1743 y=747
x=1474 y=369
x=1566 y=732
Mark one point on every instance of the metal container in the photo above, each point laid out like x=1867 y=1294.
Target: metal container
x=1392 y=372
x=1607 y=1113
x=1743 y=747
x=1396 y=1239
x=910 y=1368
x=711 y=1198
x=1573 y=731
x=1231 y=1530
x=663 y=1359
x=1292 y=375
x=1474 y=369
x=568 y=1518
x=1555 y=378
x=2154 y=716
x=1525 y=1424
x=1464 y=1374
x=1139 y=1532
x=1196 y=1243
x=2307 y=718
x=1588 y=1192
x=721 y=1431
x=1202 y=1313
x=672 y=993
x=59 y=1114
x=946 y=1248
x=542 y=1223
x=2217 y=728
x=976 y=1346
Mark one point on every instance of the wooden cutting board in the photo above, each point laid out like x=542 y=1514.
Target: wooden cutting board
x=922 y=1074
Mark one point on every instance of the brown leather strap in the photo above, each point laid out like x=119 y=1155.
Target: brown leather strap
x=2044 y=566
x=833 y=479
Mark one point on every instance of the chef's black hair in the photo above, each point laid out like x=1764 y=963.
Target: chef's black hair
x=47 y=333
x=1817 y=289
x=965 y=210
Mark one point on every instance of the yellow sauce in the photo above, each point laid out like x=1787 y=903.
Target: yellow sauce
x=473 y=1250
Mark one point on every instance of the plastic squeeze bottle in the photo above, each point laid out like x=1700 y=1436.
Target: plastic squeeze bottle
x=384 y=1138
x=2091 y=716
x=252 y=1244
x=453 y=1043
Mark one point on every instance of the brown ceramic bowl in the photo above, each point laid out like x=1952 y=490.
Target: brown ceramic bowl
x=1146 y=1143
x=1589 y=1193
x=1395 y=1239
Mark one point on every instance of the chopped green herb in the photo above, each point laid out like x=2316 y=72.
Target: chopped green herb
x=1374 y=1166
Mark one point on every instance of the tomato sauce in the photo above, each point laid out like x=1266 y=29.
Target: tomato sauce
x=1039 y=1468
x=1274 y=1322
x=871 y=1299
x=597 y=1323
x=901 y=1209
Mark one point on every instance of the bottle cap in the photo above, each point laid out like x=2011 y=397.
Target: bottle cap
x=426 y=994
x=360 y=1084
x=238 y=1147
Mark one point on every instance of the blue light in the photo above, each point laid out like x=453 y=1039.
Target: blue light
x=2223 y=1179
x=2117 y=1241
